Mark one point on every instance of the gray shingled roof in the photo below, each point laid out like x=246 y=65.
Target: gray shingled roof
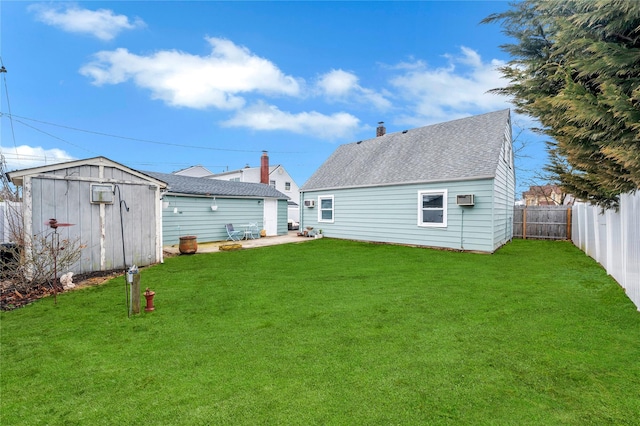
x=202 y=186
x=461 y=149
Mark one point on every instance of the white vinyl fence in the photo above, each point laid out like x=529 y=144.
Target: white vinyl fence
x=612 y=239
x=10 y=216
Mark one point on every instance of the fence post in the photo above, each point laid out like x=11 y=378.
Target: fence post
x=569 y=224
x=524 y=223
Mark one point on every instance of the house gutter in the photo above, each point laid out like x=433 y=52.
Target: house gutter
x=419 y=182
x=242 y=197
x=159 y=234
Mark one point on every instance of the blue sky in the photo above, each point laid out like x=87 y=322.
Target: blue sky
x=161 y=86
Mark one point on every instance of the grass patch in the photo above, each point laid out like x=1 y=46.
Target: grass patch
x=334 y=332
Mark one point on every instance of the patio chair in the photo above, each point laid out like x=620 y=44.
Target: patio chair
x=233 y=235
x=255 y=231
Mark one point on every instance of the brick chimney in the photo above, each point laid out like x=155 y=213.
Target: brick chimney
x=381 y=130
x=264 y=168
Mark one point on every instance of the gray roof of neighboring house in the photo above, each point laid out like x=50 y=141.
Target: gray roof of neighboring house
x=202 y=186
x=467 y=148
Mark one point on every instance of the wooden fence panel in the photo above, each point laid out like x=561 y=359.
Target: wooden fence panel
x=542 y=222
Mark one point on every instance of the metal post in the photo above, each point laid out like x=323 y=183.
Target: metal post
x=133 y=280
x=135 y=296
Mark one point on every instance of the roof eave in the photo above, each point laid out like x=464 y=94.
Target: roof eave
x=419 y=182
x=17 y=176
x=198 y=195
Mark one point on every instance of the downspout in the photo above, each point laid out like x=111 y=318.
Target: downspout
x=301 y=204
x=462 y=230
x=159 y=230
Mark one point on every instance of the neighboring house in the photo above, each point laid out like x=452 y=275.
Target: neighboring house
x=546 y=195
x=275 y=176
x=202 y=207
x=449 y=185
x=194 y=171
x=115 y=211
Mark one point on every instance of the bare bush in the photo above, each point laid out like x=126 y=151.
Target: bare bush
x=30 y=261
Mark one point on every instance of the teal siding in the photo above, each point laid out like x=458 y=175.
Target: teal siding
x=195 y=217
x=283 y=217
x=504 y=194
x=390 y=214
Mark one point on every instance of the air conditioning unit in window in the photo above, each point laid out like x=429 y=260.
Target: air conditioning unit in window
x=102 y=193
x=465 y=200
x=309 y=203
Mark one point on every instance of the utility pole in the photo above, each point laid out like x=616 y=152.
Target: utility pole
x=5 y=192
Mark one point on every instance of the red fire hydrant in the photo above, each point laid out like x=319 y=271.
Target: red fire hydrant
x=148 y=294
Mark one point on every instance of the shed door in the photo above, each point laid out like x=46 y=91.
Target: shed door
x=271 y=216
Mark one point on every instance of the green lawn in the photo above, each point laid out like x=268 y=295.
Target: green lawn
x=334 y=333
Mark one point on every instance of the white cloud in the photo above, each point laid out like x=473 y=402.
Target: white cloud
x=101 y=23
x=340 y=85
x=186 y=80
x=24 y=157
x=268 y=117
x=457 y=90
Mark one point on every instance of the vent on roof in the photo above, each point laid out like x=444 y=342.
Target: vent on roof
x=404 y=131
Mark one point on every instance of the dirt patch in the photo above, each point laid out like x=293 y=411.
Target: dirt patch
x=15 y=295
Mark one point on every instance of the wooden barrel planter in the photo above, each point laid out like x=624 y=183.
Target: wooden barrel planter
x=188 y=244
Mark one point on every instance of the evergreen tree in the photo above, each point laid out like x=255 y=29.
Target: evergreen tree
x=576 y=69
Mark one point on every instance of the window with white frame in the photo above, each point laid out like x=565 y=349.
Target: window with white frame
x=272 y=183
x=432 y=208
x=325 y=212
x=507 y=153
x=287 y=186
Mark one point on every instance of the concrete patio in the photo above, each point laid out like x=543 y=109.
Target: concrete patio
x=290 y=237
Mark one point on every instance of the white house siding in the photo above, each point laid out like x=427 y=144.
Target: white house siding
x=281 y=177
x=64 y=194
x=390 y=214
x=504 y=195
x=195 y=217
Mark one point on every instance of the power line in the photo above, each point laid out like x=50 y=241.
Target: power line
x=137 y=139
x=53 y=136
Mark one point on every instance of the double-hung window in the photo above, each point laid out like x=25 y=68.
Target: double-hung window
x=325 y=212
x=432 y=208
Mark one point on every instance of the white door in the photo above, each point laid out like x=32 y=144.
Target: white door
x=271 y=216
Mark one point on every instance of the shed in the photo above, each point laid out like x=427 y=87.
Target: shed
x=114 y=211
x=449 y=185
x=200 y=206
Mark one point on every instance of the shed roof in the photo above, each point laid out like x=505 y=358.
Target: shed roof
x=203 y=186
x=467 y=148
x=18 y=176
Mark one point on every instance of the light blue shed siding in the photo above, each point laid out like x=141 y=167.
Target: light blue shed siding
x=283 y=217
x=195 y=217
x=390 y=214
